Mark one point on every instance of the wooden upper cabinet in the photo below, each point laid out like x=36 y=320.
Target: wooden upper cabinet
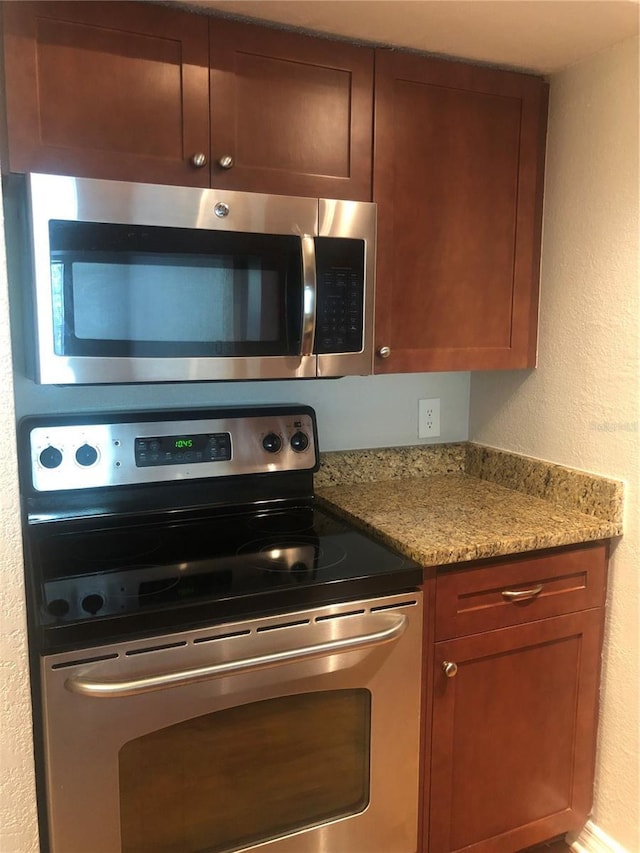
x=125 y=91
x=458 y=173
x=106 y=90
x=292 y=111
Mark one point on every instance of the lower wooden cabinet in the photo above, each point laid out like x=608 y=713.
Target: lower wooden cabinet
x=514 y=709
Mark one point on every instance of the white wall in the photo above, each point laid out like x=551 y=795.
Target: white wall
x=18 y=822
x=353 y=412
x=581 y=407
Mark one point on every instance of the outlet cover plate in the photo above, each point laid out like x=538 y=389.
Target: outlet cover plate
x=429 y=418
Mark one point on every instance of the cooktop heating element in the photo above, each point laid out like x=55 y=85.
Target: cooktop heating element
x=141 y=522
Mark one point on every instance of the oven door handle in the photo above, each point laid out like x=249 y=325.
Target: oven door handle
x=393 y=626
x=309 y=295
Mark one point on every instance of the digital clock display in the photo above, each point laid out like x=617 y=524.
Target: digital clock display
x=183 y=449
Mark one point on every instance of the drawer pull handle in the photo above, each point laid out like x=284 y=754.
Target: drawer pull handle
x=521 y=594
x=449 y=668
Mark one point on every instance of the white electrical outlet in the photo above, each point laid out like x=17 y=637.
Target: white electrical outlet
x=429 y=418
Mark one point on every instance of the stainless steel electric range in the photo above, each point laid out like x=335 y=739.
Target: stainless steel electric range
x=219 y=663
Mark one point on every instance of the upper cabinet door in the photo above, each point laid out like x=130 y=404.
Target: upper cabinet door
x=290 y=114
x=107 y=90
x=458 y=173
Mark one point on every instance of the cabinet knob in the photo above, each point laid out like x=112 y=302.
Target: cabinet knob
x=449 y=668
x=384 y=352
x=199 y=160
x=226 y=162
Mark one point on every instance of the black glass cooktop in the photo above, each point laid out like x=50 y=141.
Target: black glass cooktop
x=114 y=580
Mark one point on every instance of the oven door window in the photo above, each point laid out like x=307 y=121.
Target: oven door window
x=133 y=290
x=246 y=775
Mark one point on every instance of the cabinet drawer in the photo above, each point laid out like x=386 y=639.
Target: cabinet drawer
x=481 y=596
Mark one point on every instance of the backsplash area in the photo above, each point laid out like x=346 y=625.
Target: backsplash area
x=353 y=412
x=565 y=487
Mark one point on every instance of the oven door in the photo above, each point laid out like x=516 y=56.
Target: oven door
x=144 y=283
x=289 y=734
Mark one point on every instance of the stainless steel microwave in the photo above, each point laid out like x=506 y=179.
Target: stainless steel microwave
x=145 y=283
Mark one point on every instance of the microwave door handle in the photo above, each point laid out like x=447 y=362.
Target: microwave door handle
x=309 y=295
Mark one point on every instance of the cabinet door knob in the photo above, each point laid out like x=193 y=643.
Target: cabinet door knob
x=226 y=162
x=384 y=352
x=199 y=160
x=521 y=594
x=449 y=668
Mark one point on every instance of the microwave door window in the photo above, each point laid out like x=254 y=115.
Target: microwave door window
x=133 y=294
x=146 y=303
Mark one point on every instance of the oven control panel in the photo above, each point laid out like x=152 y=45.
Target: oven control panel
x=182 y=449
x=67 y=456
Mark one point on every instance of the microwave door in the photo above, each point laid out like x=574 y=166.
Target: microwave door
x=141 y=283
x=127 y=303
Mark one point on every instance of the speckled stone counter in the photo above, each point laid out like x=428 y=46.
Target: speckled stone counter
x=451 y=503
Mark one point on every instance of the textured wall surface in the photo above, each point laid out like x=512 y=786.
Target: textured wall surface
x=581 y=407
x=18 y=823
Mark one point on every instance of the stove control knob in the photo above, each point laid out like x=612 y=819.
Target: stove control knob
x=59 y=607
x=272 y=442
x=50 y=457
x=86 y=455
x=92 y=603
x=301 y=571
x=299 y=441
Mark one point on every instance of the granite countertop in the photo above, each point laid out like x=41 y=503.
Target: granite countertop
x=442 y=504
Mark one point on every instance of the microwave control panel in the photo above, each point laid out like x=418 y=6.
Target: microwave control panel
x=340 y=310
